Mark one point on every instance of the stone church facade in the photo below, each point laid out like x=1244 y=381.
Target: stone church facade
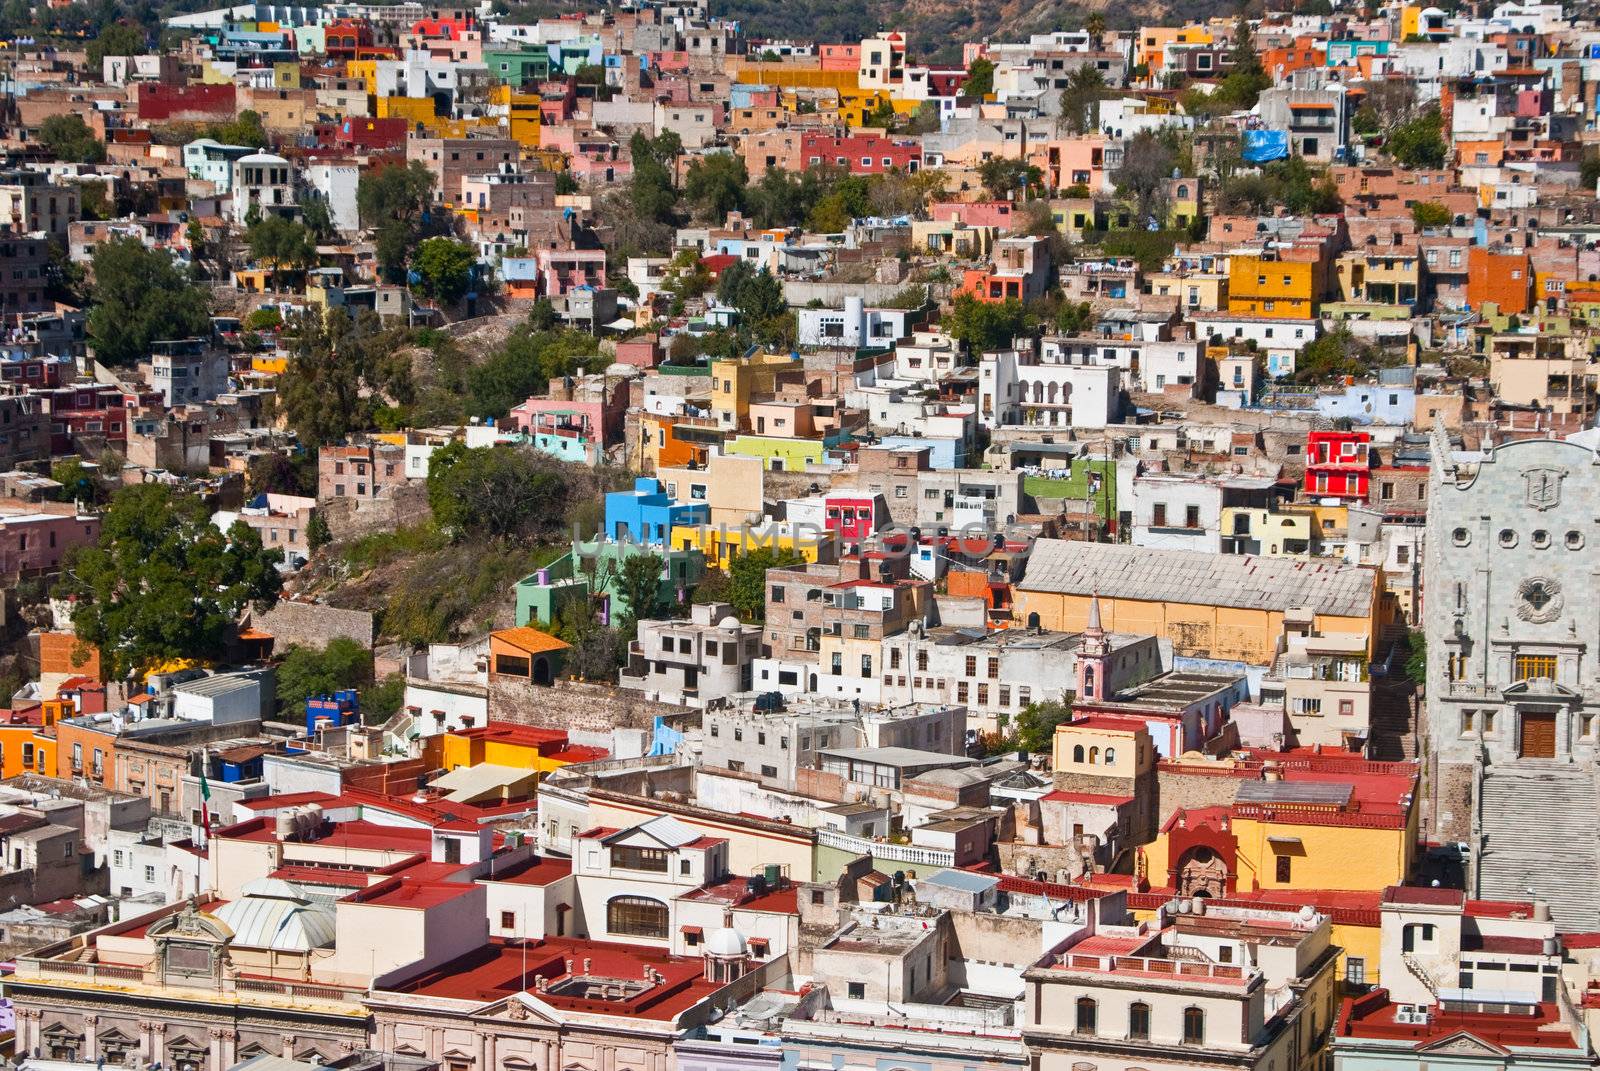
x=1512 y=609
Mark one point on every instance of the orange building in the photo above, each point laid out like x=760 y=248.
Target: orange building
x=85 y=751
x=673 y=442
x=1503 y=278
x=1284 y=289
x=1301 y=55
x=27 y=742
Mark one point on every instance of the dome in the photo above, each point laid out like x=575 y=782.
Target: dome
x=729 y=622
x=272 y=914
x=726 y=941
x=262 y=158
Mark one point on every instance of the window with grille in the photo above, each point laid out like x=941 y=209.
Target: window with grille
x=1533 y=667
x=636 y=916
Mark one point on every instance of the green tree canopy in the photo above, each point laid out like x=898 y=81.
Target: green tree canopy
x=307 y=672
x=524 y=367
x=747 y=580
x=986 y=325
x=1006 y=177
x=445 y=267
x=1036 y=725
x=1430 y=214
x=340 y=371
x=69 y=138
x=715 y=185
x=117 y=39
x=1420 y=142
x=980 y=78
x=283 y=243
x=499 y=492
x=140 y=296
x=163 y=582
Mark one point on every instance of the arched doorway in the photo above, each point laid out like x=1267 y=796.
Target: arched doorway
x=1201 y=872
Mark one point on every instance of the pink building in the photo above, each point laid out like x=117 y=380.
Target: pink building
x=35 y=536
x=565 y=269
x=975 y=214
x=641 y=351
x=840 y=57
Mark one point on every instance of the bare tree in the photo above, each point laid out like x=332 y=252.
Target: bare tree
x=1146 y=167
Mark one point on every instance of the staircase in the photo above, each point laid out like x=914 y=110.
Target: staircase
x=1537 y=830
x=1392 y=738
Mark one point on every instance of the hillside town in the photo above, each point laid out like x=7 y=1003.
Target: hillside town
x=715 y=552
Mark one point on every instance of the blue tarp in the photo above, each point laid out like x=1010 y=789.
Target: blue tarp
x=1263 y=146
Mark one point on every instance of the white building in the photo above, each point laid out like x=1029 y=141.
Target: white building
x=263 y=182
x=1018 y=388
x=853 y=327
x=335 y=186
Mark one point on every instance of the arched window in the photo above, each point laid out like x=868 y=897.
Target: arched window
x=1139 y=1021
x=636 y=916
x=1077 y=753
x=1111 y=755
x=1094 y=755
x=1087 y=1011
x=1194 y=1026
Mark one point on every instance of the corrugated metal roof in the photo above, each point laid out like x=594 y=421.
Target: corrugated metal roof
x=1125 y=572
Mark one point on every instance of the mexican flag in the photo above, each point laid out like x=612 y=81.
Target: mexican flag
x=205 y=802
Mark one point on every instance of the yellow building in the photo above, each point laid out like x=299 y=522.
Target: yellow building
x=1201 y=291
x=1331 y=831
x=1150 y=47
x=735 y=381
x=1380 y=277
x=1225 y=606
x=515 y=747
x=523 y=118
x=1285 y=289
x=732 y=487
x=721 y=545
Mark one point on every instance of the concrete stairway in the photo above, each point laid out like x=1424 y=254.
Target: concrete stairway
x=1392 y=715
x=1538 y=828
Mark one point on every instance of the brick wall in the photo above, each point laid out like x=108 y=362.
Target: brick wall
x=313 y=625
x=572 y=705
x=1179 y=789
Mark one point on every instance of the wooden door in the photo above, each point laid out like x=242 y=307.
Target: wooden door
x=1538 y=735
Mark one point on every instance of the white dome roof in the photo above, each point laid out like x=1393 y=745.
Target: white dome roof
x=726 y=941
x=262 y=158
x=729 y=622
x=271 y=914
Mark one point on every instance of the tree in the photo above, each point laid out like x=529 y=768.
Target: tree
x=318 y=534
x=282 y=243
x=980 y=78
x=1419 y=143
x=1243 y=86
x=1036 y=725
x=925 y=120
x=277 y=472
x=495 y=491
x=445 y=267
x=747 y=580
x=1416 y=667
x=1430 y=214
x=525 y=365
x=117 y=39
x=139 y=297
x=983 y=326
x=1004 y=176
x=1075 y=317
x=1329 y=357
x=1080 y=100
x=715 y=185
x=395 y=192
x=78 y=482
x=340 y=371
x=244 y=129
x=306 y=672
x=1095 y=27
x=638 y=586
x=164 y=583
x=1146 y=169
x=654 y=196
x=69 y=138
x=318 y=220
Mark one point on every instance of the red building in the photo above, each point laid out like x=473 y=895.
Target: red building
x=863 y=154
x=855 y=517
x=1338 y=464
x=157 y=102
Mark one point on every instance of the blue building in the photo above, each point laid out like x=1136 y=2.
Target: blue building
x=340 y=708
x=648 y=514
